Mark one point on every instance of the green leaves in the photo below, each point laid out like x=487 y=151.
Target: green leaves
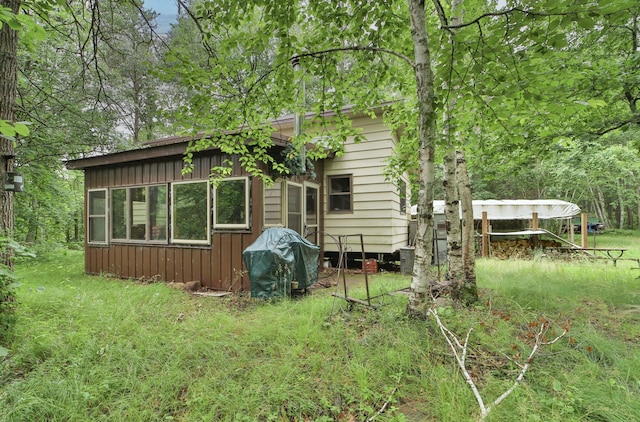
x=10 y=130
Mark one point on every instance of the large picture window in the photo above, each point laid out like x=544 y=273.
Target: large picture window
x=97 y=216
x=139 y=213
x=232 y=204
x=340 y=194
x=190 y=207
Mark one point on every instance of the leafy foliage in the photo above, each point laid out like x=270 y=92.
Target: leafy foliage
x=7 y=288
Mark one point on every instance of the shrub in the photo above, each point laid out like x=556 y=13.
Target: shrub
x=8 y=250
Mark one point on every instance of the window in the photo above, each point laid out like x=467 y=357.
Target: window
x=158 y=212
x=294 y=207
x=97 y=216
x=311 y=220
x=190 y=217
x=340 y=195
x=232 y=204
x=402 y=193
x=139 y=213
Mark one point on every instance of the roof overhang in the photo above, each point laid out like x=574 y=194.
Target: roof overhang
x=165 y=147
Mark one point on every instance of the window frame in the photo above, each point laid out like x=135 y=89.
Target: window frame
x=172 y=212
x=128 y=217
x=350 y=194
x=286 y=202
x=247 y=205
x=315 y=231
x=104 y=216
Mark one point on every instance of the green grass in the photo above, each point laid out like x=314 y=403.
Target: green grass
x=93 y=348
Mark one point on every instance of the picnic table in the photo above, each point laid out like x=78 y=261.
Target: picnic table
x=614 y=254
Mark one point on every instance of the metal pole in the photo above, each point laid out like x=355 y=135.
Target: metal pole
x=299 y=110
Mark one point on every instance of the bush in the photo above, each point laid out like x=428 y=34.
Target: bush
x=8 y=250
x=7 y=303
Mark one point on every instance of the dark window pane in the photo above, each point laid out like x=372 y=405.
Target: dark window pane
x=231 y=205
x=158 y=212
x=119 y=213
x=190 y=213
x=340 y=203
x=340 y=193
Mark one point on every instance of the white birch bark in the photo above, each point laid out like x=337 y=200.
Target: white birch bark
x=422 y=271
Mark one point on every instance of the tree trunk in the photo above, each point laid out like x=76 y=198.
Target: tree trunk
x=638 y=204
x=460 y=278
x=422 y=272
x=8 y=89
x=469 y=291
x=599 y=205
x=621 y=206
x=455 y=273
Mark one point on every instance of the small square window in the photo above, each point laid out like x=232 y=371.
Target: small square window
x=340 y=194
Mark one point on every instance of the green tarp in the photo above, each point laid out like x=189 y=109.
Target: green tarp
x=277 y=258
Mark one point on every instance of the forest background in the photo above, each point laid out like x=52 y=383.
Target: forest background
x=99 y=77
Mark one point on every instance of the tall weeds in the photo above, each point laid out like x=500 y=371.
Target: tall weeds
x=93 y=348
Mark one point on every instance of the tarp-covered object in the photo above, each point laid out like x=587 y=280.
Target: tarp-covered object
x=516 y=209
x=278 y=257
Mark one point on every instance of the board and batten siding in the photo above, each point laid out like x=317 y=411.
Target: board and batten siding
x=217 y=266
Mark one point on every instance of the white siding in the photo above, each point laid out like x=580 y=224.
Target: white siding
x=376 y=202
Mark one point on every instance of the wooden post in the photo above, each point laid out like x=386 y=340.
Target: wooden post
x=584 y=231
x=485 y=234
x=534 y=226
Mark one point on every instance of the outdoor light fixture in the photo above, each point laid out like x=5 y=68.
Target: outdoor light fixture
x=14 y=182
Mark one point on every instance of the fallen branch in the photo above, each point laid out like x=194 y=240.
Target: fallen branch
x=460 y=353
x=384 y=406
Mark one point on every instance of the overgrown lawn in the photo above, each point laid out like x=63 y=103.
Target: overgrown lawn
x=93 y=348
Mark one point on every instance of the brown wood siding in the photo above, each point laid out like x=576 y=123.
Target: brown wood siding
x=217 y=266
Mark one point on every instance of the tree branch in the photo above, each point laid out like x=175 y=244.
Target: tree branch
x=460 y=353
x=314 y=54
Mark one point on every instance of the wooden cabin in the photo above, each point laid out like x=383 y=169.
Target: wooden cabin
x=145 y=219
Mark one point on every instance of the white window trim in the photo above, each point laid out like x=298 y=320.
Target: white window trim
x=173 y=223
x=127 y=216
x=247 y=218
x=316 y=226
x=285 y=203
x=106 y=217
